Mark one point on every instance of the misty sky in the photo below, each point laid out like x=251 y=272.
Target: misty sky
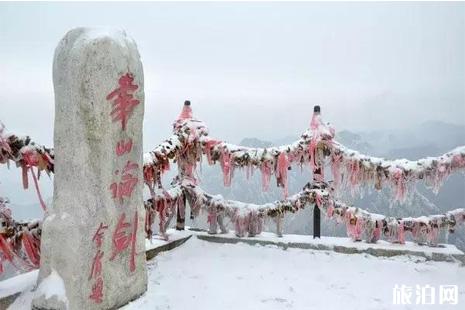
x=250 y=69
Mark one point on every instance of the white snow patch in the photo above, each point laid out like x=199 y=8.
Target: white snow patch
x=173 y=235
x=448 y=249
x=50 y=217
x=207 y=275
x=24 y=301
x=53 y=285
x=18 y=284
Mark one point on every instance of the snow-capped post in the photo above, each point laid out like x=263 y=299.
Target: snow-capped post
x=186 y=113
x=93 y=254
x=317 y=178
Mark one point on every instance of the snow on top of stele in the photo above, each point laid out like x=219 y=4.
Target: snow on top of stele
x=220 y=275
x=84 y=35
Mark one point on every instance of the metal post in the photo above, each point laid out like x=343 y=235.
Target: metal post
x=316 y=221
x=186 y=113
x=180 y=214
x=317 y=178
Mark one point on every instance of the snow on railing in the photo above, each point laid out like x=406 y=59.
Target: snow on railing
x=190 y=141
x=27 y=155
x=362 y=224
x=248 y=218
x=350 y=169
x=401 y=174
x=316 y=147
x=19 y=241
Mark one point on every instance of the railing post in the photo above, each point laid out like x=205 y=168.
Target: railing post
x=213 y=220
x=186 y=113
x=220 y=219
x=181 y=214
x=279 y=225
x=317 y=178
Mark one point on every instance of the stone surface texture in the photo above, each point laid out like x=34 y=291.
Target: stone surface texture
x=87 y=67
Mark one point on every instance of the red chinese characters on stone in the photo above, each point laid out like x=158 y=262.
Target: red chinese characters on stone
x=98 y=236
x=97 y=291
x=123 y=147
x=128 y=181
x=123 y=99
x=124 y=236
x=96 y=271
x=96 y=265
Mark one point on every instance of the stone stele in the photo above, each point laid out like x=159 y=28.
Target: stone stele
x=92 y=251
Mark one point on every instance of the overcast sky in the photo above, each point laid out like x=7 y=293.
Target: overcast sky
x=251 y=69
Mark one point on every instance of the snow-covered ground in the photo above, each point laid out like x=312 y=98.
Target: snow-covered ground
x=206 y=275
x=174 y=235
x=19 y=283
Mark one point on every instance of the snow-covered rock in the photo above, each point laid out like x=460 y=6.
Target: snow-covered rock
x=93 y=236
